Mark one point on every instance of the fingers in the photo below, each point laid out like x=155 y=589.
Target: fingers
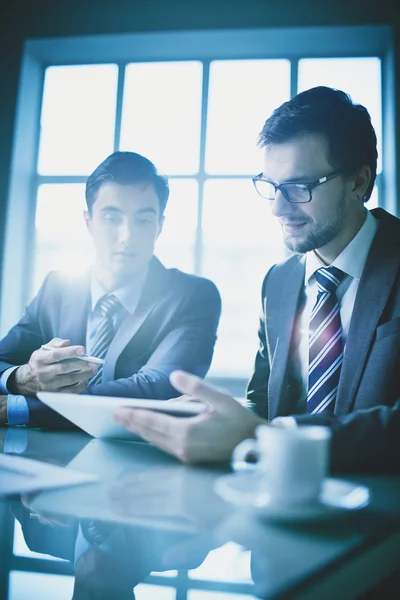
x=58 y=343
x=54 y=379
x=71 y=366
x=198 y=388
x=55 y=367
x=183 y=398
x=74 y=389
x=49 y=357
x=74 y=378
x=166 y=432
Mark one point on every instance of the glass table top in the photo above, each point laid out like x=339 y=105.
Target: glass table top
x=150 y=527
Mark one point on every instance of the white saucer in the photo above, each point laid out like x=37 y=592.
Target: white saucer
x=338 y=497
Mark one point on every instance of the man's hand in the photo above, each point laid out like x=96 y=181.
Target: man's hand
x=3 y=410
x=48 y=370
x=208 y=437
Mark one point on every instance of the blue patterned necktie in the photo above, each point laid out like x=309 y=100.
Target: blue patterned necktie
x=109 y=306
x=325 y=343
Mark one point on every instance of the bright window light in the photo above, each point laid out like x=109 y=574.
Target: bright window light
x=78 y=118
x=243 y=93
x=161 y=114
x=241 y=241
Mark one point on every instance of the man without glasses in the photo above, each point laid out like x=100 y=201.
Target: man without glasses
x=329 y=335
x=143 y=319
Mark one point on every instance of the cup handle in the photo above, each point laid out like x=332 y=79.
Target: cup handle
x=241 y=453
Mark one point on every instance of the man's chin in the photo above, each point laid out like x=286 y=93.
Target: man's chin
x=127 y=270
x=296 y=245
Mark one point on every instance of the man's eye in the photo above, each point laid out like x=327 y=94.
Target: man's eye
x=143 y=222
x=111 y=218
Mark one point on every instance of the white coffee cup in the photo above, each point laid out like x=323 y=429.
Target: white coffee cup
x=292 y=462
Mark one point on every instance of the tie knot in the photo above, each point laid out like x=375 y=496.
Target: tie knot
x=109 y=305
x=328 y=279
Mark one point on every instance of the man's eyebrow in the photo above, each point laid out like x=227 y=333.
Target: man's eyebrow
x=147 y=209
x=296 y=179
x=307 y=178
x=110 y=208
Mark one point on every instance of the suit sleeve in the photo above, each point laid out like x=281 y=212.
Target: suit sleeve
x=25 y=337
x=364 y=441
x=16 y=349
x=257 y=388
x=189 y=346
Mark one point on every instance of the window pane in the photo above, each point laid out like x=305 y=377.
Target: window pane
x=41 y=586
x=78 y=118
x=21 y=549
x=359 y=77
x=175 y=246
x=62 y=241
x=243 y=94
x=373 y=202
x=146 y=591
x=241 y=241
x=161 y=114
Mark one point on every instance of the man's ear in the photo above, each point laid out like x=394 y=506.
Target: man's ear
x=161 y=225
x=361 y=182
x=88 y=219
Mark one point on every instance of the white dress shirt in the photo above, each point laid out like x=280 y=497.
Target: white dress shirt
x=351 y=261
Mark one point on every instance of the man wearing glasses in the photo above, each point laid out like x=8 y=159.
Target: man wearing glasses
x=329 y=335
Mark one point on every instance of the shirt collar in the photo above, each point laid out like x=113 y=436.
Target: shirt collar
x=128 y=294
x=353 y=257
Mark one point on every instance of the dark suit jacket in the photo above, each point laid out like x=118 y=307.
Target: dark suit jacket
x=370 y=371
x=174 y=327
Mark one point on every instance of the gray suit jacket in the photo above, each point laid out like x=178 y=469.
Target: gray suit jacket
x=370 y=372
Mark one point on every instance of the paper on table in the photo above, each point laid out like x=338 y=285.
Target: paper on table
x=22 y=475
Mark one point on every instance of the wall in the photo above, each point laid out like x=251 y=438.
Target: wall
x=25 y=19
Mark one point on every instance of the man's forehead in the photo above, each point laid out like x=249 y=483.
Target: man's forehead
x=132 y=195
x=301 y=157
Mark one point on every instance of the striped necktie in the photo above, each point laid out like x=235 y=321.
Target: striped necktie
x=109 y=306
x=96 y=532
x=325 y=343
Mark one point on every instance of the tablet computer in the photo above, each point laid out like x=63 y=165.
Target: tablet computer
x=94 y=414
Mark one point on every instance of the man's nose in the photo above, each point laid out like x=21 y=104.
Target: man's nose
x=126 y=232
x=280 y=205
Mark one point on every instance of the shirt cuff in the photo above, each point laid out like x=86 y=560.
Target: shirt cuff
x=17 y=410
x=286 y=422
x=16 y=440
x=4 y=379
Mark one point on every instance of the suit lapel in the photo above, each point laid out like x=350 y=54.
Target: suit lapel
x=74 y=311
x=150 y=297
x=376 y=284
x=285 y=325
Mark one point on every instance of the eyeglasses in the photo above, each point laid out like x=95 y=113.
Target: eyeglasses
x=297 y=191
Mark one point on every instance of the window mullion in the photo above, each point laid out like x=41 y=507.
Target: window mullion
x=198 y=251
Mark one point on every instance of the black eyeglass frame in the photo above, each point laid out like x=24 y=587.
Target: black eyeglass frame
x=310 y=185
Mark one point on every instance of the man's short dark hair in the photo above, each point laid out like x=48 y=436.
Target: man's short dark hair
x=329 y=112
x=126 y=168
